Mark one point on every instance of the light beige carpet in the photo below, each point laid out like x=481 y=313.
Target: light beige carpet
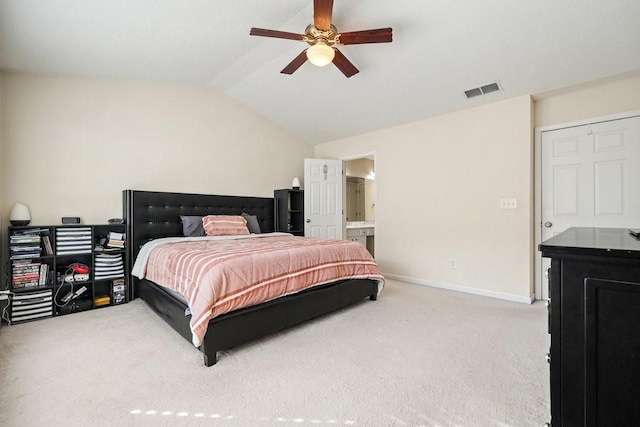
x=418 y=356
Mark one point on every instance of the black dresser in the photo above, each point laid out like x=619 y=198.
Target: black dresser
x=594 y=322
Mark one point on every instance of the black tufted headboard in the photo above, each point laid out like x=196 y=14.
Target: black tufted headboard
x=153 y=214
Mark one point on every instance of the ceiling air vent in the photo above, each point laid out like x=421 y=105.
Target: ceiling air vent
x=473 y=92
x=482 y=90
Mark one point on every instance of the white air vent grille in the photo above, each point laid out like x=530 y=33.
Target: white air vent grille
x=482 y=90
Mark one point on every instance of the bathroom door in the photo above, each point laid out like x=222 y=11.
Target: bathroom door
x=324 y=181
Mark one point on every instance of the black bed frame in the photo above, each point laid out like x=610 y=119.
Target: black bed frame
x=152 y=214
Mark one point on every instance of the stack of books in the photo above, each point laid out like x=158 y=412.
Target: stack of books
x=108 y=266
x=30 y=243
x=73 y=240
x=115 y=240
x=24 y=246
x=28 y=274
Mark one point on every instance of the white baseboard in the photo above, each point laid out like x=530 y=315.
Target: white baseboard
x=465 y=289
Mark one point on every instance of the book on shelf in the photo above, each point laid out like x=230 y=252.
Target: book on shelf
x=115 y=235
x=24 y=238
x=25 y=245
x=115 y=240
x=25 y=253
x=115 y=244
x=118 y=291
x=36 y=230
x=26 y=274
x=44 y=273
x=48 y=248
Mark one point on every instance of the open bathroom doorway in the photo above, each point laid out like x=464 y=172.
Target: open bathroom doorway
x=360 y=200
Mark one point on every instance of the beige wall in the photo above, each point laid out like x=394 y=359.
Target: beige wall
x=72 y=145
x=3 y=245
x=615 y=95
x=2 y=221
x=439 y=184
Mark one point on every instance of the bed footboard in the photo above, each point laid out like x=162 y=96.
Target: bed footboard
x=239 y=327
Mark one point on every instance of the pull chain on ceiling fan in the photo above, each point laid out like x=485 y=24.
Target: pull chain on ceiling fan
x=322 y=36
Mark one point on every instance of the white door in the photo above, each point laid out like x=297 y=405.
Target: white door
x=324 y=181
x=590 y=178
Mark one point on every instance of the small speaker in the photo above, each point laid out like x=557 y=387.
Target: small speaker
x=71 y=220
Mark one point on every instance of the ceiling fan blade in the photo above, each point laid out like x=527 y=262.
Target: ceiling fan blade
x=322 y=10
x=343 y=64
x=296 y=63
x=276 y=34
x=380 y=35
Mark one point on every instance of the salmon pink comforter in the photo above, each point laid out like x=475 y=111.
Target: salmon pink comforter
x=217 y=275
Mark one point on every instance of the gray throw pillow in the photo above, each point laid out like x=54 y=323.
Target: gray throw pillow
x=252 y=223
x=192 y=226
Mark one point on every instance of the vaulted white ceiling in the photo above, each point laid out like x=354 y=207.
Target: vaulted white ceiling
x=440 y=48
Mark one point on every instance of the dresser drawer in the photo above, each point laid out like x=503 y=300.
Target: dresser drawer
x=31 y=305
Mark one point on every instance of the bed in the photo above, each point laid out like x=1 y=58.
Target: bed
x=151 y=215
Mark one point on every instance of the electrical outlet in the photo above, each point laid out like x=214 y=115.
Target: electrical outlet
x=452 y=263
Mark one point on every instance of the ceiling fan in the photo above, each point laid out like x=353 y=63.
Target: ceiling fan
x=321 y=36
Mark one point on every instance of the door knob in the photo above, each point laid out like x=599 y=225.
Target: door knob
x=548 y=224
x=308 y=220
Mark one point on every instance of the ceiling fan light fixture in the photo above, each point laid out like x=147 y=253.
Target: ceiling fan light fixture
x=320 y=54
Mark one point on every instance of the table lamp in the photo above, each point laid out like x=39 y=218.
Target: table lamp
x=20 y=215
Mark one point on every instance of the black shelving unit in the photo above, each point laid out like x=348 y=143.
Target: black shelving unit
x=289 y=211
x=40 y=272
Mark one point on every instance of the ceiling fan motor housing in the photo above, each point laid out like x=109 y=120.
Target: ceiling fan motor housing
x=312 y=35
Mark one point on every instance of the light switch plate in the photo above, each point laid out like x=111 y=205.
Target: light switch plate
x=506 y=203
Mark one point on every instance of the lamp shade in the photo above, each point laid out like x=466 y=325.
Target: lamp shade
x=320 y=54
x=20 y=215
x=295 y=184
